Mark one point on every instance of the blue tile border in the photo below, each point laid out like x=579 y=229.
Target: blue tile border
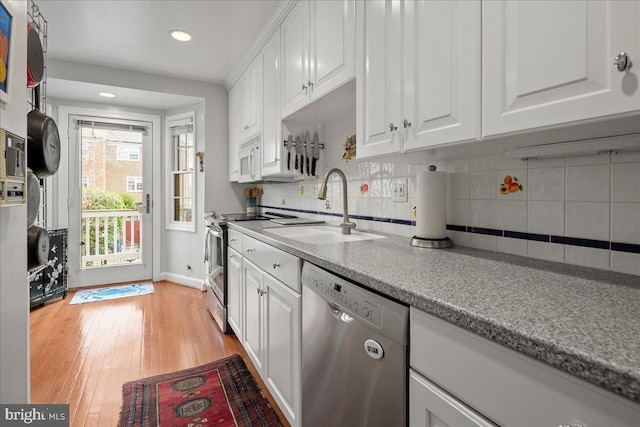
x=563 y=240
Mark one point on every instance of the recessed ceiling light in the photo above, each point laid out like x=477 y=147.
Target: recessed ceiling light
x=180 y=35
x=107 y=94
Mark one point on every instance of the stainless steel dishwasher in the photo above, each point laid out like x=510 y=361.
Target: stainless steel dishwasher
x=354 y=354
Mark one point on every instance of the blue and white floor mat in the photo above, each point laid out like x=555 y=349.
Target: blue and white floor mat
x=112 y=292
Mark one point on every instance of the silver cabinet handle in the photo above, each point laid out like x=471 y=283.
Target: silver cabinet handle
x=406 y=123
x=392 y=127
x=232 y=256
x=232 y=240
x=622 y=62
x=310 y=84
x=250 y=250
x=304 y=86
x=571 y=425
x=276 y=265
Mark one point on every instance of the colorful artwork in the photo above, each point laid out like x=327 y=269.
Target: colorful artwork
x=5 y=43
x=510 y=184
x=283 y=202
x=349 y=148
x=364 y=188
x=327 y=205
x=302 y=190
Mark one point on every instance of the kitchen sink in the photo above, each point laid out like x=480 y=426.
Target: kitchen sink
x=318 y=234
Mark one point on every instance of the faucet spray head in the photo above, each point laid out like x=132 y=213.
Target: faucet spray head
x=322 y=194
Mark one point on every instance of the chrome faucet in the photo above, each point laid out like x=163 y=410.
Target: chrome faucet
x=346 y=225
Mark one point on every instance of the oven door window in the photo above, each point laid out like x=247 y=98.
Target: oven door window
x=215 y=264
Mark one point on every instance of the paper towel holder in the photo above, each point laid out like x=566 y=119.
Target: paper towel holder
x=431 y=243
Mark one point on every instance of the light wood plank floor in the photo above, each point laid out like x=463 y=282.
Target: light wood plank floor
x=82 y=354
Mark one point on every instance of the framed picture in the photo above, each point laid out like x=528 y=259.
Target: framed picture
x=6 y=21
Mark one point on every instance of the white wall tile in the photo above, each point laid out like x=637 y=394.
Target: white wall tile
x=587 y=220
x=544 y=250
x=587 y=257
x=546 y=218
x=546 y=184
x=546 y=163
x=633 y=157
x=483 y=185
x=625 y=262
x=482 y=164
x=458 y=212
x=596 y=159
x=505 y=164
x=482 y=241
x=483 y=213
x=458 y=165
x=511 y=246
x=625 y=222
x=588 y=183
x=625 y=182
x=511 y=215
x=458 y=185
x=459 y=238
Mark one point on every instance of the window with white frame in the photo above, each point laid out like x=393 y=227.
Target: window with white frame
x=134 y=184
x=128 y=153
x=181 y=178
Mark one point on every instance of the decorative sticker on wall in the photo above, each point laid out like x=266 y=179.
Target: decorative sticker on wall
x=283 y=202
x=302 y=190
x=349 y=148
x=510 y=184
x=200 y=156
x=327 y=205
x=364 y=188
x=415 y=210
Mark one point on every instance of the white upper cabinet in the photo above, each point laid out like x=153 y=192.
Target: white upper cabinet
x=551 y=63
x=272 y=127
x=234 y=133
x=441 y=72
x=318 y=50
x=379 y=78
x=251 y=109
x=418 y=74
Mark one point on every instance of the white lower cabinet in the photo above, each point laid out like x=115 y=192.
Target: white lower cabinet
x=504 y=386
x=272 y=321
x=430 y=406
x=235 y=291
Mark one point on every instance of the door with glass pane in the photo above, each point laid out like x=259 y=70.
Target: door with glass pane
x=110 y=233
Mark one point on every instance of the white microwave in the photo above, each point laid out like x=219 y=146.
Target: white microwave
x=250 y=160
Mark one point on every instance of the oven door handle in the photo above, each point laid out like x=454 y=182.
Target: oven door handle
x=215 y=233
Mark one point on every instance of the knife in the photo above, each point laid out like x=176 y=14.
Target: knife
x=289 y=150
x=303 y=150
x=316 y=152
x=307 y=150
x=298 y=143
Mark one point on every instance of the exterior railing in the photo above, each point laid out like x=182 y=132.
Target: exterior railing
x=111 y=237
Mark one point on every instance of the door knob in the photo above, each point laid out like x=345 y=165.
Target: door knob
x=406 y=123
x=622 y=62
x=392 y=127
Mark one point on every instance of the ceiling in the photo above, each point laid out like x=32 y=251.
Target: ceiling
x=134 y=35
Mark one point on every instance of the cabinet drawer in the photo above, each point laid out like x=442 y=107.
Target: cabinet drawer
x=508 y=387
x=281 y=265
x=235 y=240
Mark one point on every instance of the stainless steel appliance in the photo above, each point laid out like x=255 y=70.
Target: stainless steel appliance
x=354 y=354
x=250 y=160
x=215 y=256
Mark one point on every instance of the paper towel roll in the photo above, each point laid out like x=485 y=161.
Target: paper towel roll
x=431 y=205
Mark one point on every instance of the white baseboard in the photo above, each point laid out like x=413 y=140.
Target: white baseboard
x=183 y=280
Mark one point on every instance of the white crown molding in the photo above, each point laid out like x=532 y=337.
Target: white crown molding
x=276 y=19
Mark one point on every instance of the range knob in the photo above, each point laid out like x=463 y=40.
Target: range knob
x=365 y=312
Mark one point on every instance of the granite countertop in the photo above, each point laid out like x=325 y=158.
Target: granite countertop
x=583 y=321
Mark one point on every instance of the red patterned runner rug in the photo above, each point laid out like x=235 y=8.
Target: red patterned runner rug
x=222 y=393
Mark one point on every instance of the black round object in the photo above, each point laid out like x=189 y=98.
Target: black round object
x=33 y=197
x=37 y=246
x=43 y=144
x=35 y=58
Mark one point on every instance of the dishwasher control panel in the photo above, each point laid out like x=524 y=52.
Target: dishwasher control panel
x=344 y=294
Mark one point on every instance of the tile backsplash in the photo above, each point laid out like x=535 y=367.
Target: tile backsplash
x=579 y=210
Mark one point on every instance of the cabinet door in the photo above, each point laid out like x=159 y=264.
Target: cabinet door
x=548 y=63
x=254 y=97
x=253 y=307
x=333 y=44
x=272 y=126
x=441 y=72
x=234 y=133
x=430 y=406
x=295 y=58
x=283 y=346
x=234 y=291
x=379 y=78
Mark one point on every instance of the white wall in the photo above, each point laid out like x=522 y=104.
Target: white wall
x=216 y=193
x=14 y=289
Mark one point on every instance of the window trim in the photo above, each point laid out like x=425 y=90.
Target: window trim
x=137 y=181
x=173 y=121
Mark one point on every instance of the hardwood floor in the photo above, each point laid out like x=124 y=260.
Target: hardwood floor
x=82 y=354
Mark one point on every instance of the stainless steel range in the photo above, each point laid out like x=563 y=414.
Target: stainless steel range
x=215 y=256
